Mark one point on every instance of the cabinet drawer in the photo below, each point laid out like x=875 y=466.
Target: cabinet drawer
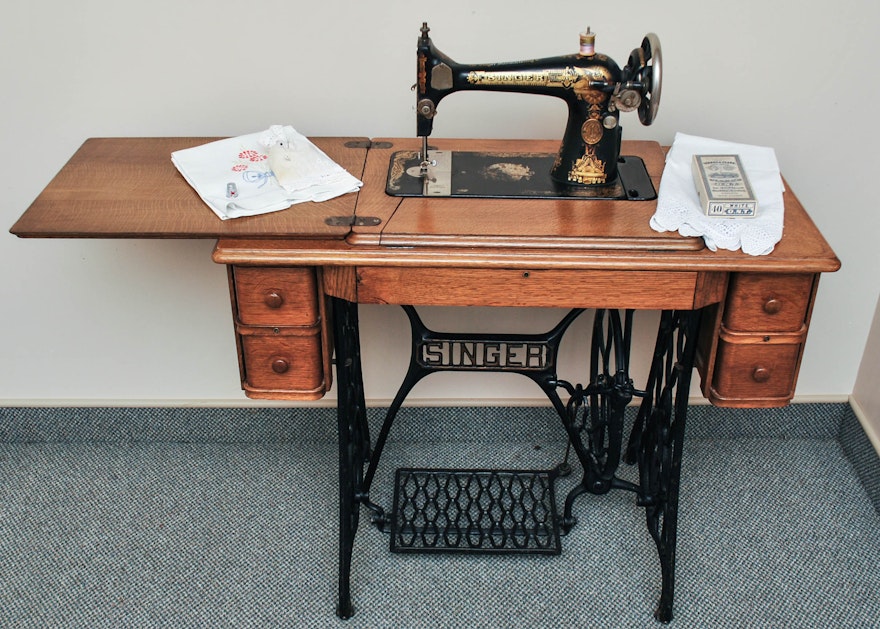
x=755 y=373
x=276 y=296
x=283 y=363
x=768 y=302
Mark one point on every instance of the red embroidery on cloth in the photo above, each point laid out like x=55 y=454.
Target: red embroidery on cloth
x=252 y=156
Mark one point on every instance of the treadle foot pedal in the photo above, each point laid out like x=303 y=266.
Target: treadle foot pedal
x=475 y=511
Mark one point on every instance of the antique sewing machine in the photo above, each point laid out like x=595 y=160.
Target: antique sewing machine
x=588 y=163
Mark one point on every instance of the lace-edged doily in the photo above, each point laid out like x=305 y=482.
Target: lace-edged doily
x=678 y=205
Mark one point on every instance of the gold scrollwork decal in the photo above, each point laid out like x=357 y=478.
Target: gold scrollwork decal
x=589 y=169
x=398 y=170
x=570 y=78
x=422 y=74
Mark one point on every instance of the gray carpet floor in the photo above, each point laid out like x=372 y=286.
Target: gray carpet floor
x=227 y=518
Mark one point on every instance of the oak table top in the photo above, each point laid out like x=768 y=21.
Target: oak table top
x=128 y=188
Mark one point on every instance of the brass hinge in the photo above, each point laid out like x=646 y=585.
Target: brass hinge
x=367 y=144
x=352 y=221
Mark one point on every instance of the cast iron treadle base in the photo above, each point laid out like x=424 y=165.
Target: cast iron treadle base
x=475 y=511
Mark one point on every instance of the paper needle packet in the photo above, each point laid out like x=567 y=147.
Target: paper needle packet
x=723 y=186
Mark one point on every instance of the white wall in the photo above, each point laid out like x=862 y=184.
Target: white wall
x=866 y=394
x=149 y=320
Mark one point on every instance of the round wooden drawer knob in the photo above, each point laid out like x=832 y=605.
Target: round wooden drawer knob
x=280 y=365
x=772 y=306
x=761 y=374
x=273 y=299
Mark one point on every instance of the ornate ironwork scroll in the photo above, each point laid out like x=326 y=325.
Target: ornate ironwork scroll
x=594 y=415
x=532 y=355
x=593 y=418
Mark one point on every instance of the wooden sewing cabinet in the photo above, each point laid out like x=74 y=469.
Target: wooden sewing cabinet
x=296 y=277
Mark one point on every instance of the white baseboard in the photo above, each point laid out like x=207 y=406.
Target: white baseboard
x=330 y=402
x=867 y=425
x=160 y=403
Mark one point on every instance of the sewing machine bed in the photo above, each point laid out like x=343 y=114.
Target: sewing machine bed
x=507 y=175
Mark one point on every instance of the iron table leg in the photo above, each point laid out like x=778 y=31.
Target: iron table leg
x=657 y=438
x=354 y=439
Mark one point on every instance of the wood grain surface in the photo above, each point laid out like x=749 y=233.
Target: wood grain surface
x=128 y=188
x=457 y=252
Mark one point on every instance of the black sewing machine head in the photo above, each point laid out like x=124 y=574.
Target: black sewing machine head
x=596 y=89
